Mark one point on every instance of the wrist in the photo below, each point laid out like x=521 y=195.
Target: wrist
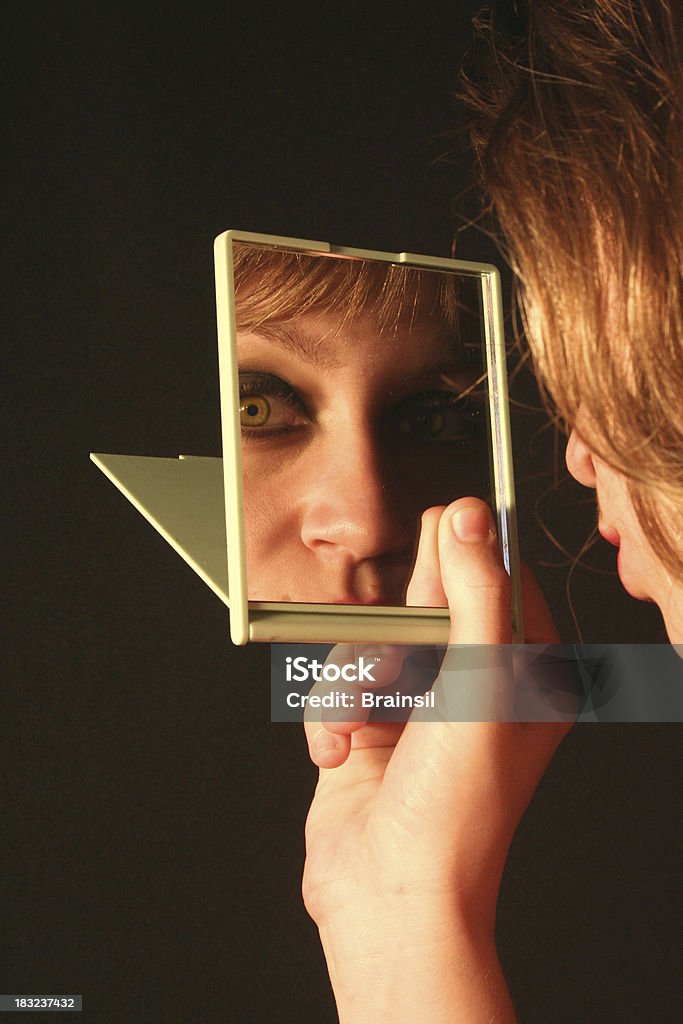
x=420 y=963
x=379 y=905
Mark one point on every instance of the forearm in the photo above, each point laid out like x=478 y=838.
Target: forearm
x=417 y=967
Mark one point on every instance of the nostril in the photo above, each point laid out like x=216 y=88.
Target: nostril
x=357 y=531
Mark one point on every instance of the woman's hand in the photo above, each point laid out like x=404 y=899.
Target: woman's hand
x=410 y=825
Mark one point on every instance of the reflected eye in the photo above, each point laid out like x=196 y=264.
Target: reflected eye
x=427 y=422
x=269 y=406
x=440 y=416
x=254 y=411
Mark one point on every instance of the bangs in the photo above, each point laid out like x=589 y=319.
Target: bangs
x=278 y=285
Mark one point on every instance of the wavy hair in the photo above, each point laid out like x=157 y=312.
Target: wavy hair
x=576 y=119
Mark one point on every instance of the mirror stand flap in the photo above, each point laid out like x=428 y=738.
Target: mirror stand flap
x=183 y=499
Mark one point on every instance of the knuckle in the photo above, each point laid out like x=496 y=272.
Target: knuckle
x=492 y=580
x=492 y=589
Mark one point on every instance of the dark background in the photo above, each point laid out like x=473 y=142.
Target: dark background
x=153 y=817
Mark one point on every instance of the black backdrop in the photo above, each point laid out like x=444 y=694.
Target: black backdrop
x=153 y=817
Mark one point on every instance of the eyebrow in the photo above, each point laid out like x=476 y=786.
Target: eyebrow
x=311 y=349
x=308 y=347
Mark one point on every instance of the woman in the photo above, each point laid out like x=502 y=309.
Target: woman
x=579 y=136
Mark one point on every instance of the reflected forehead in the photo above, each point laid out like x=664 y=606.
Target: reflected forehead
x=327 y=343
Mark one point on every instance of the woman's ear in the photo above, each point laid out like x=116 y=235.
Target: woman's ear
x=579 y=458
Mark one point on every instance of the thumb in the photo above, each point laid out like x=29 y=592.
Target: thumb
x=474 y=578
x=458 y=563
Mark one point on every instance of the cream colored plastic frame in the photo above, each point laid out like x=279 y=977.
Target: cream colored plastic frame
x=322 y=623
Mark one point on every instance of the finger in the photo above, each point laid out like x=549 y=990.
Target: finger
x=475 y=683
x=473 y=575
x=352 y=717
x=390 y=682
x=360 y=667
x=329 y=730
x=375 y=667
x=425 y=589
x=339 y=702
x=326 y=749
x=332 y=731
x=332 y=750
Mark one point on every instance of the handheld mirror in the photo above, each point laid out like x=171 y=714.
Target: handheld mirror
x=357 y=390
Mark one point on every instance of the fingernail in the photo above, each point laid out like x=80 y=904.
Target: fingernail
x=324 y=742
x=473 y=525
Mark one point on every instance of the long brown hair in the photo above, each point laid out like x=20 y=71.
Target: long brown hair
x=577 y=126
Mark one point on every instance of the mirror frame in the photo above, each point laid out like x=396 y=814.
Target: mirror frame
x=278 y=622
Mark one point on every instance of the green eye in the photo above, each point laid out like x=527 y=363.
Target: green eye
x=270 y=408
x=439 y=416
x=427 y=422
x=254 y=411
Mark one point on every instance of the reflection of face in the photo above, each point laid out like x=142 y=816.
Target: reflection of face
x=642 y=574
x=348 y=435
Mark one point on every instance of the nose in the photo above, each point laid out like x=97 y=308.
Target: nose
x=350 y=510
x=579 y=459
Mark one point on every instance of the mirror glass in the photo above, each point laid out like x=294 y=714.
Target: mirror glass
x=363 y=402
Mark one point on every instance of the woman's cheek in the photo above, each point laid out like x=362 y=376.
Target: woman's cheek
x=273 y=531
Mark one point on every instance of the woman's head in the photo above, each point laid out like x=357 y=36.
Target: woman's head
x=579 y=137
x=352 y=376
